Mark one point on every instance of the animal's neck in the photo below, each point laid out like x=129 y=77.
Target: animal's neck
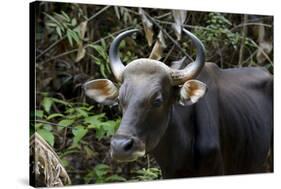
x=174 y=153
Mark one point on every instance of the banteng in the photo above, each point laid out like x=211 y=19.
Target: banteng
x=191 y=131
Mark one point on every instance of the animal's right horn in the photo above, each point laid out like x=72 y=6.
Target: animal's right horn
x=116 y=64
x=194 y=68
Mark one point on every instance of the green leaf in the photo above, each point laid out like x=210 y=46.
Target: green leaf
x=39 y=113
x=52 y=19
x=47 y=104
x=109 y=127
x=47 y=135
x=89 y=177
x=95 y=120
x=73 y=22
x=82 y=112
x=86 y=107
x=38 y=126
x=100 y=133
x=97 y=61
x=103 y=44
x=102 y=70
x=52 y=116
x=115 y=178
x=69 y=151
x=60 y=17
x=79 y=132
x=101 y=51
x=59 y=31
x=65 y=162
x=73 y=116
x=51 y=24
x=101 y=170
x=75 y=36
x=47 y=127
x=69 y=37
x=66 y=16
x=104 y=129
x=70 y=111
x=65 y=122
x=89 y=108
x=108 y=69
x=148 y=174
x=89 y=152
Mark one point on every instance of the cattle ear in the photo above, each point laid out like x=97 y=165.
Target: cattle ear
x=191 y=92
x=101 y=90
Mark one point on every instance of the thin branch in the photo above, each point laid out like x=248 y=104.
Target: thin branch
x=51 y=46
x=131 y=11
x=86 y=46
x=64 y=36
x=169 y=53
x=208 y=29
x=250 y=24
x=157 y=17
x=167 y=34
x=60 y=55
x=250 y=58
x=232 y=29
x=262 y=51
x=54 y=124
x=186 y=25
x=163 y=15
x=111 y=35
x=244 y=32
x=221 y=57
x=98 y=13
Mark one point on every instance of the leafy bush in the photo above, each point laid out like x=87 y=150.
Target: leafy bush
x=218 y=31
x=72 y=43
x=101 y=174
x=79 y=118
x=82 y=127
x=64 y=25
x=148 y=174
x=78 y=121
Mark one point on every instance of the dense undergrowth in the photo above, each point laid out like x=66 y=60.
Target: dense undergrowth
x=72 y=42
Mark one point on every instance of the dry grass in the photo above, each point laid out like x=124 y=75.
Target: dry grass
x=46 y=165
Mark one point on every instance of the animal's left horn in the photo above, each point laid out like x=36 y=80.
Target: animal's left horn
x=116 y=64
x=194 y=68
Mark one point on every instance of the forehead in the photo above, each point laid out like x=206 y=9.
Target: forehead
x=145 y=76
x=145 y=69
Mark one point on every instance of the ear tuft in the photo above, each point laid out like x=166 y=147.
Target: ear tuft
x=192 y=91
x=101 y=90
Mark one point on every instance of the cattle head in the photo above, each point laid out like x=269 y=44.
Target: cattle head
x=149 y=89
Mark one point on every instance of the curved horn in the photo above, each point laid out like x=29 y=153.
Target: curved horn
x=116 y=64
x=194 y=68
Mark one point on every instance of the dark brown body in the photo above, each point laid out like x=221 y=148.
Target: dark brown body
x=229 y=131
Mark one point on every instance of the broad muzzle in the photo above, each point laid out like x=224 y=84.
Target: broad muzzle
x=126 y=148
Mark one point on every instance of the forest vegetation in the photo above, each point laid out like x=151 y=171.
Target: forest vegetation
x=72 y=43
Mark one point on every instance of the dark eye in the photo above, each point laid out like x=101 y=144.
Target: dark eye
x=157 y=102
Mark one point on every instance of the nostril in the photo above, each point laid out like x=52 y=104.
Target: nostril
x=128 y=144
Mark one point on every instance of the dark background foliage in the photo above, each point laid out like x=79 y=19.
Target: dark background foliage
x=72 y=42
